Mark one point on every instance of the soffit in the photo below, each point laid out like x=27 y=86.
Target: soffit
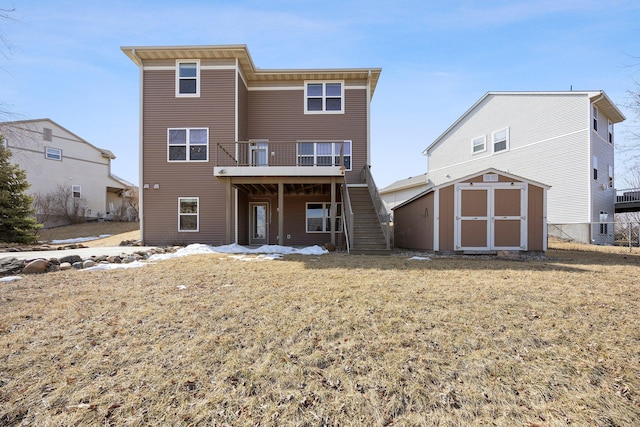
x=250 y=71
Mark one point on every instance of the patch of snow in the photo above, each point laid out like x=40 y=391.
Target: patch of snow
x=420 y=258
x=78 y=239
x=134 y=264
x=10 y=278
x=268 y=252
x=181 y=287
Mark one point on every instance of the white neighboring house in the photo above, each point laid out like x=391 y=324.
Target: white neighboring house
x=55 y=158
x=402 y=190
x=564 y=139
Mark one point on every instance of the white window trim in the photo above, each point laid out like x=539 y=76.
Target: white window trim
x=197 y=215
x=610 y=184
x=76 y=188
x=324 y=97
x=325 y=205
x=49 y=152
x=474 y=144
x=610 y=131
x=187 y=145
x=187 y=95
x=334 y=153
x=594 y=123
x=493 y=140
x=594 y=170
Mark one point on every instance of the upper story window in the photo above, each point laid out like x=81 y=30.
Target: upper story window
x=610 y=131
x=595 y=118
x=52 y=153
x=188 y=78
x=479 y=144
x=324 y=153
x=595 y=168
x=188 y=145
x=324 y=97
x=610 y=176
x=76 y=191
x=500 y=140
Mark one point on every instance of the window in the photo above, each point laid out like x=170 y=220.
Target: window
x=188 y=78
x=3 y=142
x=188 y=213
x=319 y=217
x=52 y=153
x=324 y=153
x=324 y=97
x=479 y=144
x=610 y=176
x=76 y=191
x=500 y=140
x=595 y=118
x=188 y=144
x=604 y=226
x=610 y=128
x=595 y=168
x=47 y=134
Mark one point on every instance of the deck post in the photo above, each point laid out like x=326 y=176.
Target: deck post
x=332 y=214
x=229 y=212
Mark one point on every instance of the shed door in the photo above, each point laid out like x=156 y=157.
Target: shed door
x=491 y=217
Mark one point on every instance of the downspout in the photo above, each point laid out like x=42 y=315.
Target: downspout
x=140 y=142
x=369 y=119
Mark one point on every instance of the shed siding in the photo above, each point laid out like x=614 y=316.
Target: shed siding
x=446 y=216
x=545 y=129
x=413 y=224
x=536 y=222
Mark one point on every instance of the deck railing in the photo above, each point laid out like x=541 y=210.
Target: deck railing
x=347 y=211
x=269 y=153
x=629 y=195
x=379 y=205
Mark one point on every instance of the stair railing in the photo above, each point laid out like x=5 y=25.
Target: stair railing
x=378 y=204
x=347 y=211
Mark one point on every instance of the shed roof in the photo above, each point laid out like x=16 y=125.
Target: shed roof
x=412 y=181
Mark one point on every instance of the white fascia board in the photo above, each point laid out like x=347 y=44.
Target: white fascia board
x=277 y=171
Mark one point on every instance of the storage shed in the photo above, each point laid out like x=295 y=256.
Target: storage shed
x=482 y=213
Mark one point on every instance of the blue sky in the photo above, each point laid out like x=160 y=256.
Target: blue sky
x=437 y=58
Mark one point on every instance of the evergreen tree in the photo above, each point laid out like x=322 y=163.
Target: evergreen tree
x=17 y=218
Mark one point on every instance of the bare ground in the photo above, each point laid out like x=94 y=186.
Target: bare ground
x=328 y=340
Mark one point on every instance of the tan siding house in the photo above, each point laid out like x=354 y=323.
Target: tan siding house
x=59 y=162
x=236 y=154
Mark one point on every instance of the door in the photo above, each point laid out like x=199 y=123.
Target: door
x=490 y=217
x=259 y=226
x=258 y=153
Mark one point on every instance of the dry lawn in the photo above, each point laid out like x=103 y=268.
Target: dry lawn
x=330 y=340
x=119 y=230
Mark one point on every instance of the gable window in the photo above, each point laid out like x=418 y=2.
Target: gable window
x=47 y=134
x=595 y=118
x=319 y=217
x=479 y=144
x=324 y=97
x=188 y=145
x=595 y=168
x=188 y=213
x=324 y=153
x=500 y=140
x=188 y=78
x=76 y=191
x=52 y=153
x=610 y=131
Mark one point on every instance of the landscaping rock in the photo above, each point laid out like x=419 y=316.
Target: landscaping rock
x=36 y=266
x=71 y=259
x=77 y=265
x=88 y=263
x=10 y=266
x=65 y=266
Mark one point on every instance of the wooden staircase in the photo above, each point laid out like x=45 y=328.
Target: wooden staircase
x=368 y=237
